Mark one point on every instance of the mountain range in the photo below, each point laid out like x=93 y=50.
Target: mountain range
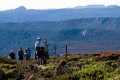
x=83 y=35
x=84 y=29
x=21 y=14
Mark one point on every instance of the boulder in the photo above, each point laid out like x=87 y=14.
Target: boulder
x=62 y=68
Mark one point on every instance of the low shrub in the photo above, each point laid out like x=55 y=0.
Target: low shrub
x=92 y=74
x=4 y=59
x=2 y=75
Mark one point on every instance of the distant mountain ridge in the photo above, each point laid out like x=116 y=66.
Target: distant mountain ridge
x=22 y=14
x=97 y=6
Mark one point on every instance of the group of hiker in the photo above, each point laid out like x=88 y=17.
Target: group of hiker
x=41 y=52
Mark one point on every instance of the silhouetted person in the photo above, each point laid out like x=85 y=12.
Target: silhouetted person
x=39 y=48
x=20 y=54
x=12 y=55
x=46 y=55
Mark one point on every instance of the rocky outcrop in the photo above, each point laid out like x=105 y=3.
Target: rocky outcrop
x=62 y=68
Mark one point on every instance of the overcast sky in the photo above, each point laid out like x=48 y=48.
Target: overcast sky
x=50 y=4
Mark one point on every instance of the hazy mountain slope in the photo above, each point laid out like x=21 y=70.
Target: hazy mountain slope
x=21 y=14
x=15 y=35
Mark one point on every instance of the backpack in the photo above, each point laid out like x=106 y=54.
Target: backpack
x=27 y=52
x=20 y=53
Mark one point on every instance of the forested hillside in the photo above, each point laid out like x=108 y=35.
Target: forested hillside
x=24 y=34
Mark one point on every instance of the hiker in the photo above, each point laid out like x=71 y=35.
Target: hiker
x=20 y=55
x=12 y=55
x=27 y=53
x=46 y=55
x=39 y=48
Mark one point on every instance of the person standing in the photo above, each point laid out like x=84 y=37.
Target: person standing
x=27 y=54
x=12 y=55
x=20 y=55
x=46 y=55
x=39 y=48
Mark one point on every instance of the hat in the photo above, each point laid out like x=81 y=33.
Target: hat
x=11 y=50
x=45 y=41
x=38 y=38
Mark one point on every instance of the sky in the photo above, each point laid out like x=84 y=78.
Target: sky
x=52 y=4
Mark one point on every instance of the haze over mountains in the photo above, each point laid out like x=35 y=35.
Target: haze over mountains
x=89 y=29
x=22 y=14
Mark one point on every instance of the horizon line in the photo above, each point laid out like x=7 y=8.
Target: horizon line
x=86 y=6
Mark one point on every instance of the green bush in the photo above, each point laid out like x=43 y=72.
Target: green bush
x=72 y=58
x=8 y=66
x=2 y=74
x=92 y=74
x=48 y=74
x=64 y=77
x=4 y=59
